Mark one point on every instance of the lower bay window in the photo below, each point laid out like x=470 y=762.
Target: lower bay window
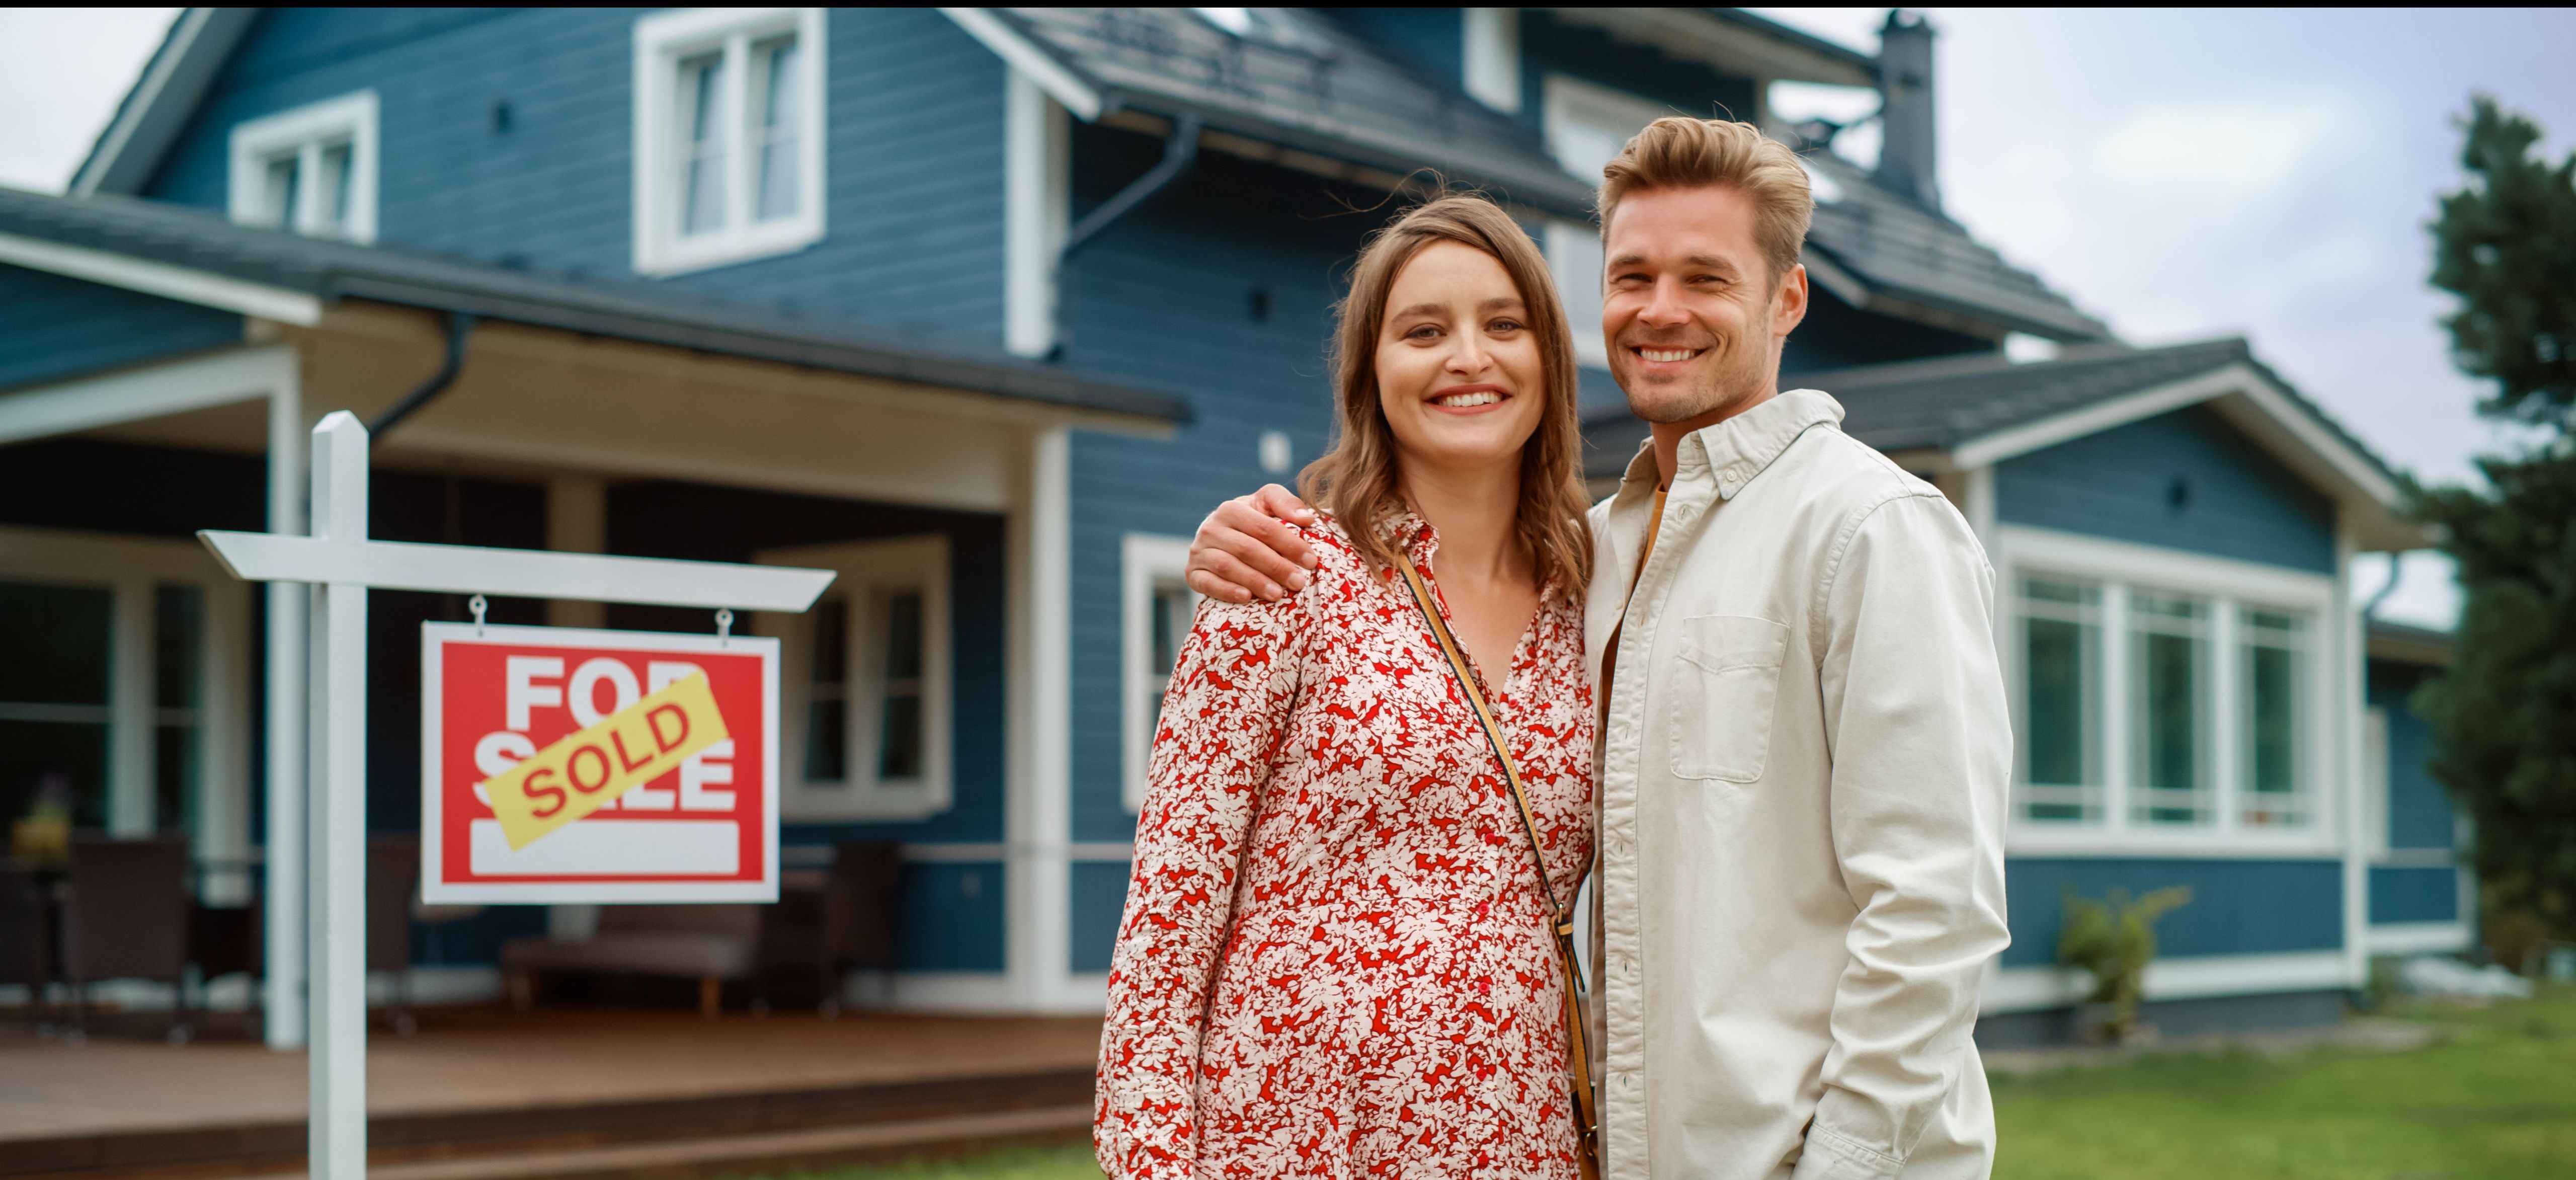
x=2154 y=703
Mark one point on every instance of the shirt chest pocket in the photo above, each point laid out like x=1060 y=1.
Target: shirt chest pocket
x=1722 y=691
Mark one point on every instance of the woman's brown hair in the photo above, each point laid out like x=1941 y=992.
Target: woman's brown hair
x=1356 y=479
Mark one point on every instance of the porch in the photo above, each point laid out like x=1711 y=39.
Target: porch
x=489 y=1094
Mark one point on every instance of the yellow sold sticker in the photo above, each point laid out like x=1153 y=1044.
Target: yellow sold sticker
x=626 y=749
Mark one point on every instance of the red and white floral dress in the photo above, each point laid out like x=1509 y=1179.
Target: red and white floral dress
x=1377 y=994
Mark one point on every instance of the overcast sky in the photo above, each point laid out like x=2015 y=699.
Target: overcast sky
x=2181 y=174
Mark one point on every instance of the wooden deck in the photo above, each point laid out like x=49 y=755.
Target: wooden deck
x=491 y=1093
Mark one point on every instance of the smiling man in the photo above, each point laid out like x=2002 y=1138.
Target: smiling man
x=1804 y=748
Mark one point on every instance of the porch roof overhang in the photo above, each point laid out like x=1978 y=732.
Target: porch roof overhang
x=1970 y=412
x=188 y=255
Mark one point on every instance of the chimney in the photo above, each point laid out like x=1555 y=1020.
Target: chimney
x=1906 y=155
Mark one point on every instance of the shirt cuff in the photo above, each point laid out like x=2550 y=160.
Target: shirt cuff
x=1832 y=1155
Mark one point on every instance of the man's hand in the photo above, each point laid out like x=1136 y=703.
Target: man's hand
x=1243 y=549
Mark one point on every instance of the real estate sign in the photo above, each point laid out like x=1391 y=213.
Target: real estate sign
x=562 y=765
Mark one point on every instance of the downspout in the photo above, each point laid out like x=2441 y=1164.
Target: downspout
x=1180 y=153
x=460 y=326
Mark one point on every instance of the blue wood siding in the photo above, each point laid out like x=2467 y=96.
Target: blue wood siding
x=914 y=153
x=950 y=917
x=1166 y=298
x=1432 y=39
x=2414 y=895
x=1099 y=903
x=2419 y=808
x=2185 y=480
x=2239 y=907
x=52 y=327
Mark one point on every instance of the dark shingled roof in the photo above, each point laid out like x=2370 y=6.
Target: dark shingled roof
x=1946 y=403
x=1901 y=249
x=1304 y=82
x=620 y=308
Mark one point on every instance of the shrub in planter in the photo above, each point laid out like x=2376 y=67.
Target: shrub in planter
x=2113 y=940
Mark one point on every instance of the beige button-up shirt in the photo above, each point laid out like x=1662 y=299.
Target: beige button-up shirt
x=1803 y=780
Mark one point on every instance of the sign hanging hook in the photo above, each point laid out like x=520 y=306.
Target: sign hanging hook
x=477 y=605
x=724 y=625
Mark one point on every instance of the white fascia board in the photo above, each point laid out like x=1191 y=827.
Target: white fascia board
x=2290 y=426
x=132 y=395
x=2026 y=989
x=2418 y=938
x=1068 y=91
x=2101 y=416
x=158 y=278
x=162 y=100
x=1844 y=284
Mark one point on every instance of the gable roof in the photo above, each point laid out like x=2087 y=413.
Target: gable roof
x=1308 y=84
x=189 y=255
x=1886 y=253
x=165 y=93
x=1967 y=412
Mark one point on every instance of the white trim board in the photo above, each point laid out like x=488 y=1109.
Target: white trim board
x=170 y=387
x=2419 y=938
x=183 y=284
x=1051 y=75
x=2279 y=423
x=2027 y=989
x=972 y=993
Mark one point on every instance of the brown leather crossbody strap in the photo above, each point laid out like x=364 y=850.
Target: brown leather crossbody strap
x=1587 y=1123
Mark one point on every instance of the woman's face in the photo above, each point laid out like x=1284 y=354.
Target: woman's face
x=1458 y=368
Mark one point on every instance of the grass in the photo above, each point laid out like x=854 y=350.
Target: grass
x=2497 y=1100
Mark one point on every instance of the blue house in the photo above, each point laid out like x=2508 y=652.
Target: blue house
x=984 y=308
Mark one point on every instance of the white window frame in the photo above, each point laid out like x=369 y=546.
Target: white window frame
x=2229 y=587
x=1146 y=562
x=868 y=570
x=661 y=41
x=1571 y=103
x=306 y=132
x=129 y=569
x=1574 y=259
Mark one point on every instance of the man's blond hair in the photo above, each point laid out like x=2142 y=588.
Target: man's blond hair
x=1674 y=152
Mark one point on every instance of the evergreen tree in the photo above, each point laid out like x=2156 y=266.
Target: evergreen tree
x=2504 y=713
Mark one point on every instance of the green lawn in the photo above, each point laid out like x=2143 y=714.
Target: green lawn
x=2497 y=1101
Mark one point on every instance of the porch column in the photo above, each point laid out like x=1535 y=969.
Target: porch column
x=283 y=1021
x=2340 y=799
x=576 y=522
x=1038 y=812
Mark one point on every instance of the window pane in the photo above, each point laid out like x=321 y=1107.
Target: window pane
x=2061 y=639
x=903 y=636
x=177 y=641
x=334 y=191
x=2275 y=660
x=2169 y=673
x=899 y=745
x=827 y=716
x=53 y=645
x=51 y=764
x=174 y=773
x=2057 y=701
x=778 y=128
x=702 y=144
x=278 y=194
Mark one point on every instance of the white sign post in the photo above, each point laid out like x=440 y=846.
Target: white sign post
x=341 y=564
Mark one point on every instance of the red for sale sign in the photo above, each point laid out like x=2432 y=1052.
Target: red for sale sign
x=562 y=765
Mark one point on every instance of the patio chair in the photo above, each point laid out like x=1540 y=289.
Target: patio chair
x=128 y=919
x=393 y=883
x=823 y=930
x=26 y=938
x=713 y=944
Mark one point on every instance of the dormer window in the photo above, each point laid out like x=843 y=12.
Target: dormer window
x=310 y=170
x=728 y=136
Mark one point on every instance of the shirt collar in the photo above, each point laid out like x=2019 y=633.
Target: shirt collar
x=1732 y=452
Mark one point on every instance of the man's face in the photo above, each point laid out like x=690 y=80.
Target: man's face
x=1692 y=318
